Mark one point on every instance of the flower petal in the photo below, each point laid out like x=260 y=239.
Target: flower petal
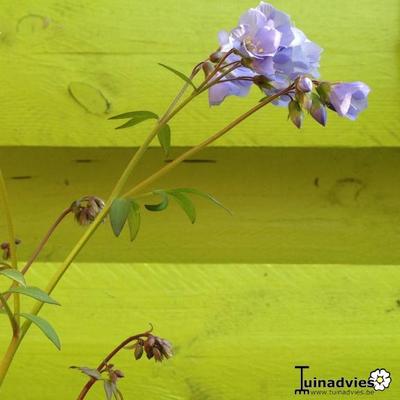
x=374 y=375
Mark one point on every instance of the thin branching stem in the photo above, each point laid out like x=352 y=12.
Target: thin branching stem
x=10 y=315
x=107 y=359
x=41 y=245
x=114 y=194
x=167 y=168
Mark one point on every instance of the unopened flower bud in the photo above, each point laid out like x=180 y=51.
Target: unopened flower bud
x=304 y=84
x=304 y=99
x=158 y=348
x=138 y=350
x=318 y=110
x=5 y=246
x=216 y=56
x=166 y=348
x=157 y=354
x=119 y=374
x=86 y=209
x=324 y=91
x=296 y=114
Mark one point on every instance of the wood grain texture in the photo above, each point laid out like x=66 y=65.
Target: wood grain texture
x=289 y=205
x=68 y=65
x=238 y=330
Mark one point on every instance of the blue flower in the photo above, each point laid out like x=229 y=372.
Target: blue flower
x=231 y=84
x=349 y=99
x=277 y=49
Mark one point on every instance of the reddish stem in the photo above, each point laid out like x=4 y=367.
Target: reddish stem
x=45 y=239
x=40 y=246
x=104 y=363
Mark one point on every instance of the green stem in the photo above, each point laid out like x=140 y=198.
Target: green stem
x=8 y=357
x=114 y=194
x=10 y=315
x=13 y=347
x=41 y=245
x=11 y=239
x=164 y=170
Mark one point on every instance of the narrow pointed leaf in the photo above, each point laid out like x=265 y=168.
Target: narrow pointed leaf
x=204 y=195
x=160 y=206
x=119 y=212
x=134 y=220
x=109 y=389
x=119 y=394
x=135 y=117
x=164 y=137
x=35 y=293
x=93 y=373
x=185 y=203
x=45 y=327
x=135 y=114
x=180 y=74
x=14 y=275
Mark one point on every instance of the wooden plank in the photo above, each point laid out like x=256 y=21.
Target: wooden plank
x=289 y=205
x=109 y=53
x=238 y=330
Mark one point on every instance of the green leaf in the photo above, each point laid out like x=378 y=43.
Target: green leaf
x=109 y=388
x=160 y=206
x=135 y=117
x=119 y=212
x=204 y=195
x=135 y=114
x=185 y=203
x=93 y=373
x=164 y=137
x=45 y=327
x=180 y=74
x=35 y=293
x=134 y=219
x=14 y=275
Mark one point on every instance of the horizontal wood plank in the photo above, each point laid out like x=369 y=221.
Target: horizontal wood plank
x=69 y=65
x=289 y=205
x=238 y=330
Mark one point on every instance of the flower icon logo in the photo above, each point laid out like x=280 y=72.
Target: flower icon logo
x=380 y=378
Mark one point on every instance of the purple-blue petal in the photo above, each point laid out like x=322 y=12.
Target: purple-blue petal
x=349 y=99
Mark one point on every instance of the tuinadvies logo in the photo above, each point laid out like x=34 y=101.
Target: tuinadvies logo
x=378 y=380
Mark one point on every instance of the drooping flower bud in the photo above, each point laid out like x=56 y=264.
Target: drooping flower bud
x=324 y=90
x=158 y=348
x=304 y=100
x=318 y=110
x=296 y=114
x=216 y=56
x=138 y=350
x=118 y=373
x=304 y=84
x=86 y=209
x=157 y=354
